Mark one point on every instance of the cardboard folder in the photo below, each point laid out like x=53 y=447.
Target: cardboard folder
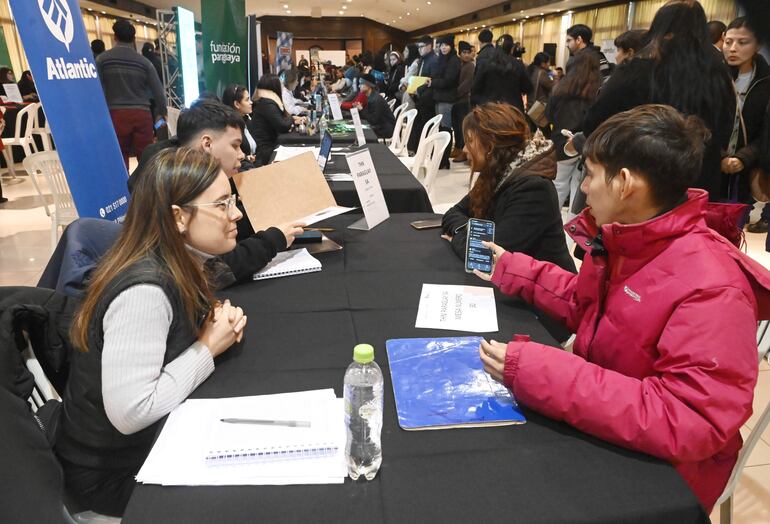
x=284 y=191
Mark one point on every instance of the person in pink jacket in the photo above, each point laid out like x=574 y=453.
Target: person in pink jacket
x=664 y=307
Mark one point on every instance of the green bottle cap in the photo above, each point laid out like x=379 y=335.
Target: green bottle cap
x=363 y=353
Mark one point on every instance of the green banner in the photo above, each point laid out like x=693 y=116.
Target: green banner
x=5 y=56
x=224 y=43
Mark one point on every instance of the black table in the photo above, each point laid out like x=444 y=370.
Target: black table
x=294 y=138
x=300 y=336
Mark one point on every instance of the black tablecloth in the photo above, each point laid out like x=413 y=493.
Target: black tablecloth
x=301 y=139
x=300 y=336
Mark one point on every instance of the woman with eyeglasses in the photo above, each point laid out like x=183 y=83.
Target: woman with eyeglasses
x=148 y=329
x=237 y=97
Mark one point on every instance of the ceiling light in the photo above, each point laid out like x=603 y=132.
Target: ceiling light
x=514 y=19
x=427 y=3
x=90 y=9
x=483 y=25
x=476 y=28
x=285 y=6
x=400 y=17
x=527 y=17
x=408 y=14
x=341 y=12
x=288 y=11
x=418 y=8
x=541 y=14
x=344 y=7
x=104 y=12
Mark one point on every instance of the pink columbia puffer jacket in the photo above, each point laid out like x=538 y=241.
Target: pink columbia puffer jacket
x=665 y=359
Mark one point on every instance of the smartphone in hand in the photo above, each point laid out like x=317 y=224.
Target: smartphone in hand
x=476 y=255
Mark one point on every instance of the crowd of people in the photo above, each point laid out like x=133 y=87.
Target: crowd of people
x=665 y=148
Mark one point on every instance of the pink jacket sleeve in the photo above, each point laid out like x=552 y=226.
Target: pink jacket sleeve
x=707 y=369
x=543 y=284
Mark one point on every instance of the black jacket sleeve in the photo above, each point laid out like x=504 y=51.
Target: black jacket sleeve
x=525 y=83
x=615 y=97
x=278 y=120
x=524 y=214
x=453 y=224
x=252 y=254
x=373 y=111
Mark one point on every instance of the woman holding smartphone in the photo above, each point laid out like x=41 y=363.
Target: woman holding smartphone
x=514 y=188
x=664 y=308
x=148 y=329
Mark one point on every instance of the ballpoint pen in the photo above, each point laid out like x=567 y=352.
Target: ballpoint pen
x=263 y=422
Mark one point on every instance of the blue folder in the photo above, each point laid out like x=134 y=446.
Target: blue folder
x=440 y=383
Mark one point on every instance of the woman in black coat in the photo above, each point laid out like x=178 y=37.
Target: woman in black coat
x=751 y=75
x=397 y=72
x=514 y=189
x=501 y=78
x=269 y=118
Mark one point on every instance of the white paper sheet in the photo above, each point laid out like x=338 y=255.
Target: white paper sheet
x=177 y=458
x=329 y=212
x=285 y=152
x=339 y=177
x=459 y=308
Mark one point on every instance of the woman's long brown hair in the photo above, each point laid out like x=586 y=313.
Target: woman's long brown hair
x=505 y=129
x=583 y=79
x=173 y=177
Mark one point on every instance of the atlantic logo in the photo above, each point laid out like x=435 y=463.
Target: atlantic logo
x=58 y=18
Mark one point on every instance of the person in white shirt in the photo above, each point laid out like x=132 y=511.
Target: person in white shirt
x=288 y=83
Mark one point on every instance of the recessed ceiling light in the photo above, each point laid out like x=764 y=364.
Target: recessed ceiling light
x=104 y=12
x=408 y=14
x=288 y=11
x=90 y=9
x=476 y=27
x=344 y=7
x=526 y=16
x=418 y=8
x=514 y=19
x=285 y=6
x=341 y=12
x=483 y=25
x=541 y=14
x=427 y=3
x=400 y=17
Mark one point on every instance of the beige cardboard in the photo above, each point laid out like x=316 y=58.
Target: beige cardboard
x=284 y=191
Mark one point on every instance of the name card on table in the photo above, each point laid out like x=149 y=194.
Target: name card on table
x=368 y=189
x=334 y=103
x=13 y=93
x=359 y=128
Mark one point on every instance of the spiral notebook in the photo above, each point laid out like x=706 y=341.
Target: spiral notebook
x=289 y=263
x=314 y=435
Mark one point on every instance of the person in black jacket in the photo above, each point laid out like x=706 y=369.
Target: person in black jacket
x=423 y=98
x=237 y=97
x=212 y=127
x=462 y=103
x=751 y=75
x=514 y=187
x=501 y=78
x=486 y=48
x=376 y=113
x=396 y=73
x=678 y=67
x=443 y=82
x=269 y=118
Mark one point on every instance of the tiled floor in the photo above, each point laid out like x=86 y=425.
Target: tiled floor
x=25 y=245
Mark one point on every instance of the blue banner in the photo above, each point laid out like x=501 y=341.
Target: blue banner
x=60 y=58
x=283 y=46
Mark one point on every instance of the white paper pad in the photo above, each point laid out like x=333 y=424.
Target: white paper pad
x=178 y=456
x=339 y=177
x=286 y=263
x=285 y=152
x=459 y=308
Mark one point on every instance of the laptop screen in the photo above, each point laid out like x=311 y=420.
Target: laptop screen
x=325 y=151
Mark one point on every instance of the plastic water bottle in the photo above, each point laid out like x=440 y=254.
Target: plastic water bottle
x=322 y=126
x=363 y=413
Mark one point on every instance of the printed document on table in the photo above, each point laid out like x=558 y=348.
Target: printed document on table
x=285 y=152
x=459 y=308
x=329 y=212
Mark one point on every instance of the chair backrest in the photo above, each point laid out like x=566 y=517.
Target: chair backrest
x=171 y=119
x=430 y=127
x=392 y=103
x=400 y=109
x=435 y=144
x=47 y=164
x=763 y=344
x=404 y=127
x=25 y=121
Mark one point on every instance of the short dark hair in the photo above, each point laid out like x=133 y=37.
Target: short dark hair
x=582 y=31
x=716 y=30
x=744 y=23
x=124 y=31
x=485 y=36
x=656 y=141
x=206 y=115
x=97 y=46
x=233 y=93
x=631 y=40
x=289 y=76
x=271 y=83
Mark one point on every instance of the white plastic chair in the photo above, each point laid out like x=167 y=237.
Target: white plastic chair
x=397 y=113
x=47 y=163
x=725 y=501
x=171 y=119
x=401 y=131
x=430 y=158
x=43 y=131
x=431 y=126
x=392 y=104
x=22 y=137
